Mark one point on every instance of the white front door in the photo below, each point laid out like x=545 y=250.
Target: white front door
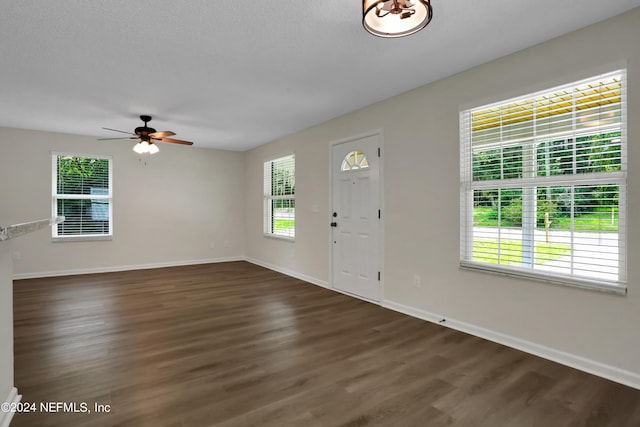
x=355 y=217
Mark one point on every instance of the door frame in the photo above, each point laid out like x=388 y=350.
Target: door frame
x=381 y=240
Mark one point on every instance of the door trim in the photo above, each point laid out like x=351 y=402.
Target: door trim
x=381 y=200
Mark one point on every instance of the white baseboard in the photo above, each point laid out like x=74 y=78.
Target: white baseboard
x=288 y=272
x=612 y=373
x=14 y=397
x=124 y=268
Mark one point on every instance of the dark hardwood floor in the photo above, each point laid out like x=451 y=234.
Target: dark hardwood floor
x=235 y=344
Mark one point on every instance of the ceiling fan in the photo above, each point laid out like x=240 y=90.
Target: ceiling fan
x=147 y=136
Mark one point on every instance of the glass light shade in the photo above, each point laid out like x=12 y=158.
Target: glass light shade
x=153 y=148
x=141 y=147
x=395 y=18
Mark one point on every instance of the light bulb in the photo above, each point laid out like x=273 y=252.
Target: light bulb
x=153 y=148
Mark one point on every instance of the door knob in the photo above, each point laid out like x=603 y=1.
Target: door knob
x=334 y=224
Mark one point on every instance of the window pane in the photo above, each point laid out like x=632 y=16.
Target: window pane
x=497 y=236
x=497 y=163
x=555 y=157
x=485 y=208
x=576 y=231
x=554 y=207
x=592 y=208
x=580 y=223
x=591 y=153
x=282 y=177
x=83 y=217
x=598 y=153
x=596 y=208
x=82 y=175
x=486 y=164
x=279 y=197
x=511 y=207
x=283 y=217
x=512 y=162
x=75 y=177
x=596 y=231
x=354 y=160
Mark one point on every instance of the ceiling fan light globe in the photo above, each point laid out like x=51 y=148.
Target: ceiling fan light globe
x=145 y=146
x=153 y=149
x=138 y=148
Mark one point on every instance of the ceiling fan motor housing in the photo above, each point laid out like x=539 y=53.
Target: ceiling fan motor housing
x=144 y=131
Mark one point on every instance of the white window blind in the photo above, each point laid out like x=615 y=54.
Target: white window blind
x=82 y=193
x=279 y=197
x=543 y=185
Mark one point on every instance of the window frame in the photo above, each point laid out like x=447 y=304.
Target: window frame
x=55 y=237
x=268 y=220
x=530 y=179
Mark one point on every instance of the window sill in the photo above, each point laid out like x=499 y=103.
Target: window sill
x=593 y=285
x=277 y=237
x=87 y=238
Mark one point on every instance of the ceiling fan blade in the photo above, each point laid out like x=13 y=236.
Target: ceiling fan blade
x=122 y=137
x=174 y=141
x=161 y=134
x=121 y=131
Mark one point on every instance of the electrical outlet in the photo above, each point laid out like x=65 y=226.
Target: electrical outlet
x=417 y=281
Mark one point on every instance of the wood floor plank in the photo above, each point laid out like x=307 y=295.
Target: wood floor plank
x=234 y=344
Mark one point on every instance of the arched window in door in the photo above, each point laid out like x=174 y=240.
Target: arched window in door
x=353 y=161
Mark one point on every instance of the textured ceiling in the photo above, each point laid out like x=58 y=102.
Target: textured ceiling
x=235 y=75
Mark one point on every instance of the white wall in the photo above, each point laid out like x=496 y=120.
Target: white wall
x=184 y=205
x=421 y=169
x=309 y=253
x=6 y=322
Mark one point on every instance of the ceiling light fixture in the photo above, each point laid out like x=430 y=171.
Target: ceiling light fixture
x=144 y=147
x=395 y=18
x=147 y=137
